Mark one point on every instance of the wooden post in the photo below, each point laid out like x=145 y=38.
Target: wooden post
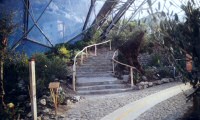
x=131 y=72
x=86 y=52
x=113 y=63
x=74 y=77
x=110 y=45
x=53 y=86
x=33 y=88
x=174 y=72
x=82 y=58
x=95 y=50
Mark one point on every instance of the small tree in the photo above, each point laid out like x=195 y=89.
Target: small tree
x=7 y=27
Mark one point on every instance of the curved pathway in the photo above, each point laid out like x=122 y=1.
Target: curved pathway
x=96 y=107
x=134 y=109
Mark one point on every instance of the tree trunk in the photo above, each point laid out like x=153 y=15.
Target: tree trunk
x=2 y=55
x=2 y=92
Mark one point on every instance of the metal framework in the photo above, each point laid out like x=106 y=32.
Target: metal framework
x=99 y=20
x=88 y=15
x=116 y=18
x=27 y=31
x=104 y=13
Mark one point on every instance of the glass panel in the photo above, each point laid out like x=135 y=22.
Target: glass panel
x=62 y=20
x=97 y=7
x=31 y=48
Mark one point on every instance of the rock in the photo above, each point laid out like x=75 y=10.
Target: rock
x=46 y=110
x=69 y=102
x=134 y=87
x=45 y=118
x=144 y=78
x=60 y=90
x=52 y=116
x=155 y=77
x=28 y=105
x=29 y=115
x=171 y=79
x=77 y=98
x=63 y=81
x=61 y=116
x=140 y=87
x=150 y=84
x=145 y=86
x=39 y=118
x=142 y=83
x=22 y=97
x=146 y=83
x=56 y=79
x=165 y=80
x=43 y=102
x=158 y=82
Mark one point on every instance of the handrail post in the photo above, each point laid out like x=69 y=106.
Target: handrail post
x=82 y=58
x=131 y=73
x=86 y=52
x=110 y=44
x=74 y=77
x=113 y=63
x=95 y=50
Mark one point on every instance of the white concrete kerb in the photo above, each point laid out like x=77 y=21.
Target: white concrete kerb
x=134 y=109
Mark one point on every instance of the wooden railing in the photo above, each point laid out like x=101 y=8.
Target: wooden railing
x=82 y=53
x=130 y=67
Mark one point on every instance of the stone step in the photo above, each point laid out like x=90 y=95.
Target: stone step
x=97 y=72
x=93 y=70
x=101 y=65
x=97 y=61
x=104 y=91
x=95 y=75
x=90 y=81
x=100 y=87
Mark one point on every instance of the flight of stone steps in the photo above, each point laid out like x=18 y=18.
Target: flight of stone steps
x=95 y=75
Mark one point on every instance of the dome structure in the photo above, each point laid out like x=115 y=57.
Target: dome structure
x=45 y=23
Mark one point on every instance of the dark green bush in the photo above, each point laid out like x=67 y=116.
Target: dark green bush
x=47 y=69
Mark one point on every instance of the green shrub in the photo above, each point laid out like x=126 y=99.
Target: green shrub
x=47 y=69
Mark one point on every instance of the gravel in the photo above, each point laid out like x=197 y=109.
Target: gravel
x=170 y=109
x=97 y=106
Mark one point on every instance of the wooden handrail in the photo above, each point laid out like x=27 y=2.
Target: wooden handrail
x=131 y=67
x=86 y=52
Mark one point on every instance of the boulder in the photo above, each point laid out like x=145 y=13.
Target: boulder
x=155 y=77
x=142 y=83
x=150 y=84
x=43 y=102
x=171 y=79
x=145 y=86
x=28 y=105
x=140 y=87
x=144 y=78
x=134 y=87
x=165 y=80
x=158 y=82
x=46 y=110
x=29 y=115
x=69 y=102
